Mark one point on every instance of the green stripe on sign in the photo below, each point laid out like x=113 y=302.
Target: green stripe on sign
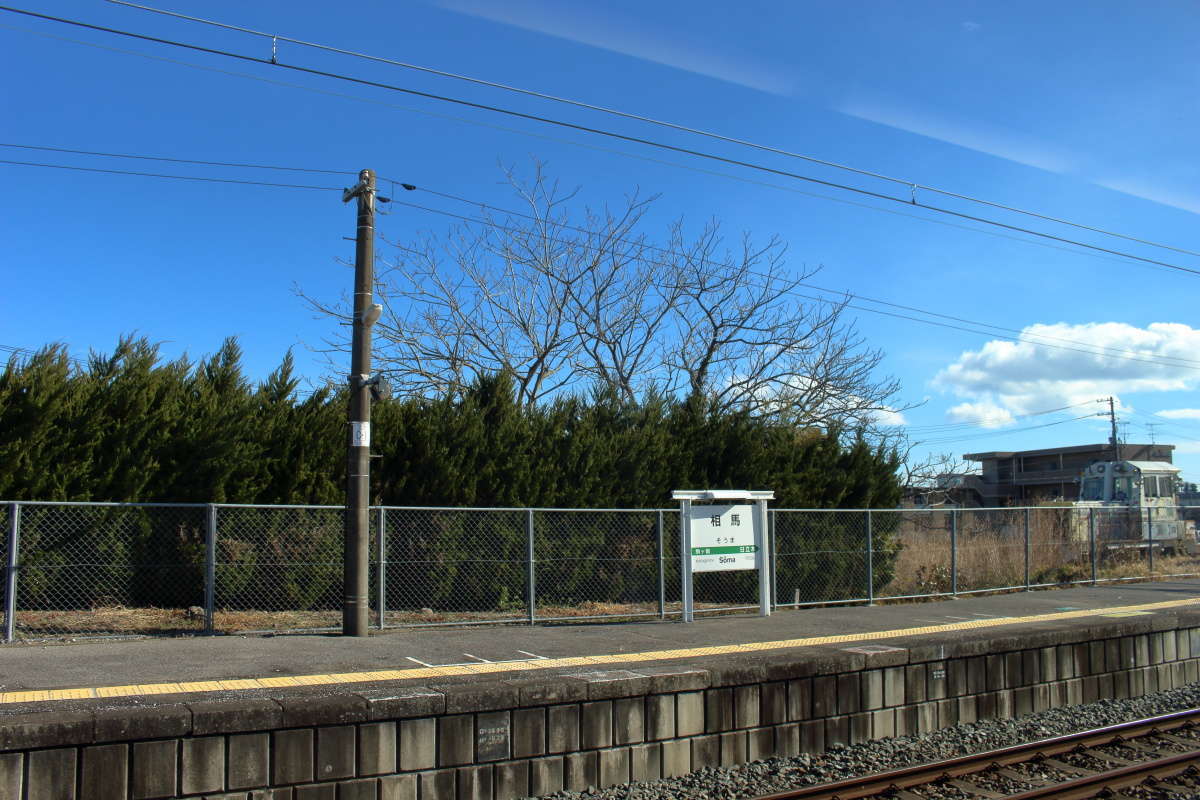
x=716 y=551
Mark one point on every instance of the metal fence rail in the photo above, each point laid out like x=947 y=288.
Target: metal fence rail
x=112 y=569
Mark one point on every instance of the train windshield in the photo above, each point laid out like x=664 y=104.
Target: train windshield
x=1122 y=489
x=1093 y=489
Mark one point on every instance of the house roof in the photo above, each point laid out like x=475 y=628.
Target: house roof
x=1155 y=466
x=1050 y=451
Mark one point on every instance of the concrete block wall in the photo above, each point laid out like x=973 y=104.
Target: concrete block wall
x=496 y=740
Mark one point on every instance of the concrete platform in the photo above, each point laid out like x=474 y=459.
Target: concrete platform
x=499 y=713
x=495 y=649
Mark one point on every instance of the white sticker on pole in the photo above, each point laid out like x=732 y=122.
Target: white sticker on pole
x=723 y=538
x=360 y=434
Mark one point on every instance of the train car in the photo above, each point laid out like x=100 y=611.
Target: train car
x=1133 y=505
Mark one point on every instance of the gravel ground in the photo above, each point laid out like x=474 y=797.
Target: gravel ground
x=781 y=774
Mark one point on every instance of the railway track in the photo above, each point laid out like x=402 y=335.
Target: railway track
x=1148 y=758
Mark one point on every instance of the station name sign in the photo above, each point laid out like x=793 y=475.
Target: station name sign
x=723 y=538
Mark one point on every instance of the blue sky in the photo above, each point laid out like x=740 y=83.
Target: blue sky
x=1084 y=112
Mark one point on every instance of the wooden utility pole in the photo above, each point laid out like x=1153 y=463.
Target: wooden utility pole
x=355 y=617
x=1112 y=418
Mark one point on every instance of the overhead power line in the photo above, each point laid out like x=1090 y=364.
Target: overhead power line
x=933 y=430
x=914 y=186
x=599 y=132
x=1186 y=421
x=1170 y=424
x=28 y=353
x=1031 y=339
x=1022 y=335
x=974 y=437
x=139 y=156
x=574 y=143
x=1034 y=339
x=171 y=177
x=449 y=196
x=995 y=331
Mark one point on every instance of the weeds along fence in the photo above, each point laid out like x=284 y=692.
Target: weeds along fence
x=106 y=569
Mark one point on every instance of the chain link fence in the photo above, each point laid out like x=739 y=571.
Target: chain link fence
x=820 y=556
x=97 y=569
x=104 y=569
x=278 y=567
x=448 y=565
x=920 y=546
x=1061 y=546
x=596 y=563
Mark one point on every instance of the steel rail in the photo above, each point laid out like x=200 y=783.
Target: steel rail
x=871 y=785
x=1090 y=786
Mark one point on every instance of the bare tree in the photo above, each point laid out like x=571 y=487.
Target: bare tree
x=746 y=337
x=936 y=479
x=563 y=304
x=551 y=302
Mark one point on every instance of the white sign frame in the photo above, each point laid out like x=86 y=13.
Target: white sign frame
x=761 y=540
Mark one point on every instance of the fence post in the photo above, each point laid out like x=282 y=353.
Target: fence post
x=381 y=560
x=1027 y=549
x=10 y=571
x=1150 y=537
x=870 y=561
x=954 y=551
x=1092 y=541
x=772 y=530
x=532 y=579
x=210 y=566
x=662 y=575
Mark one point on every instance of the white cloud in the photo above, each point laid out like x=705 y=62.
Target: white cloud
x=1009 y=145
x=1153 y=190
x=889 y=417
x=589 y=25
x=985 y=414
x=1012 y=146
x=603 y=29
x=1021 y=377
x=1180 y=413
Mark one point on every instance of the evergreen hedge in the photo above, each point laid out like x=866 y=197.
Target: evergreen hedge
x=133 y=427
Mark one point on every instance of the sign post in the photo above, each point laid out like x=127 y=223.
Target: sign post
x=722 y=530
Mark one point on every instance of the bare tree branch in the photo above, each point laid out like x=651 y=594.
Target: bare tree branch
x=562 y=304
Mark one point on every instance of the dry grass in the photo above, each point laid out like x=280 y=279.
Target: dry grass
x=1136 y=565
x=991 y=555
x=123 y=621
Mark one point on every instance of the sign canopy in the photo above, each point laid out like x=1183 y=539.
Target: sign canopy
x=717 y=495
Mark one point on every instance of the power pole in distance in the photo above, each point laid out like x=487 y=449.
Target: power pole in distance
x=1112 y=418
x=355 y=617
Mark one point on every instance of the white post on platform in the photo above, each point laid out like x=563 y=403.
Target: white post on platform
x=685 y=558
x=762 y=541
x=713 y=538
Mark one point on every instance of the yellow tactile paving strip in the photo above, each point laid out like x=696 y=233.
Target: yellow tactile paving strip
x=423 y=673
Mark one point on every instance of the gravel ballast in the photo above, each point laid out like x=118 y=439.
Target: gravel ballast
x=781 y=774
